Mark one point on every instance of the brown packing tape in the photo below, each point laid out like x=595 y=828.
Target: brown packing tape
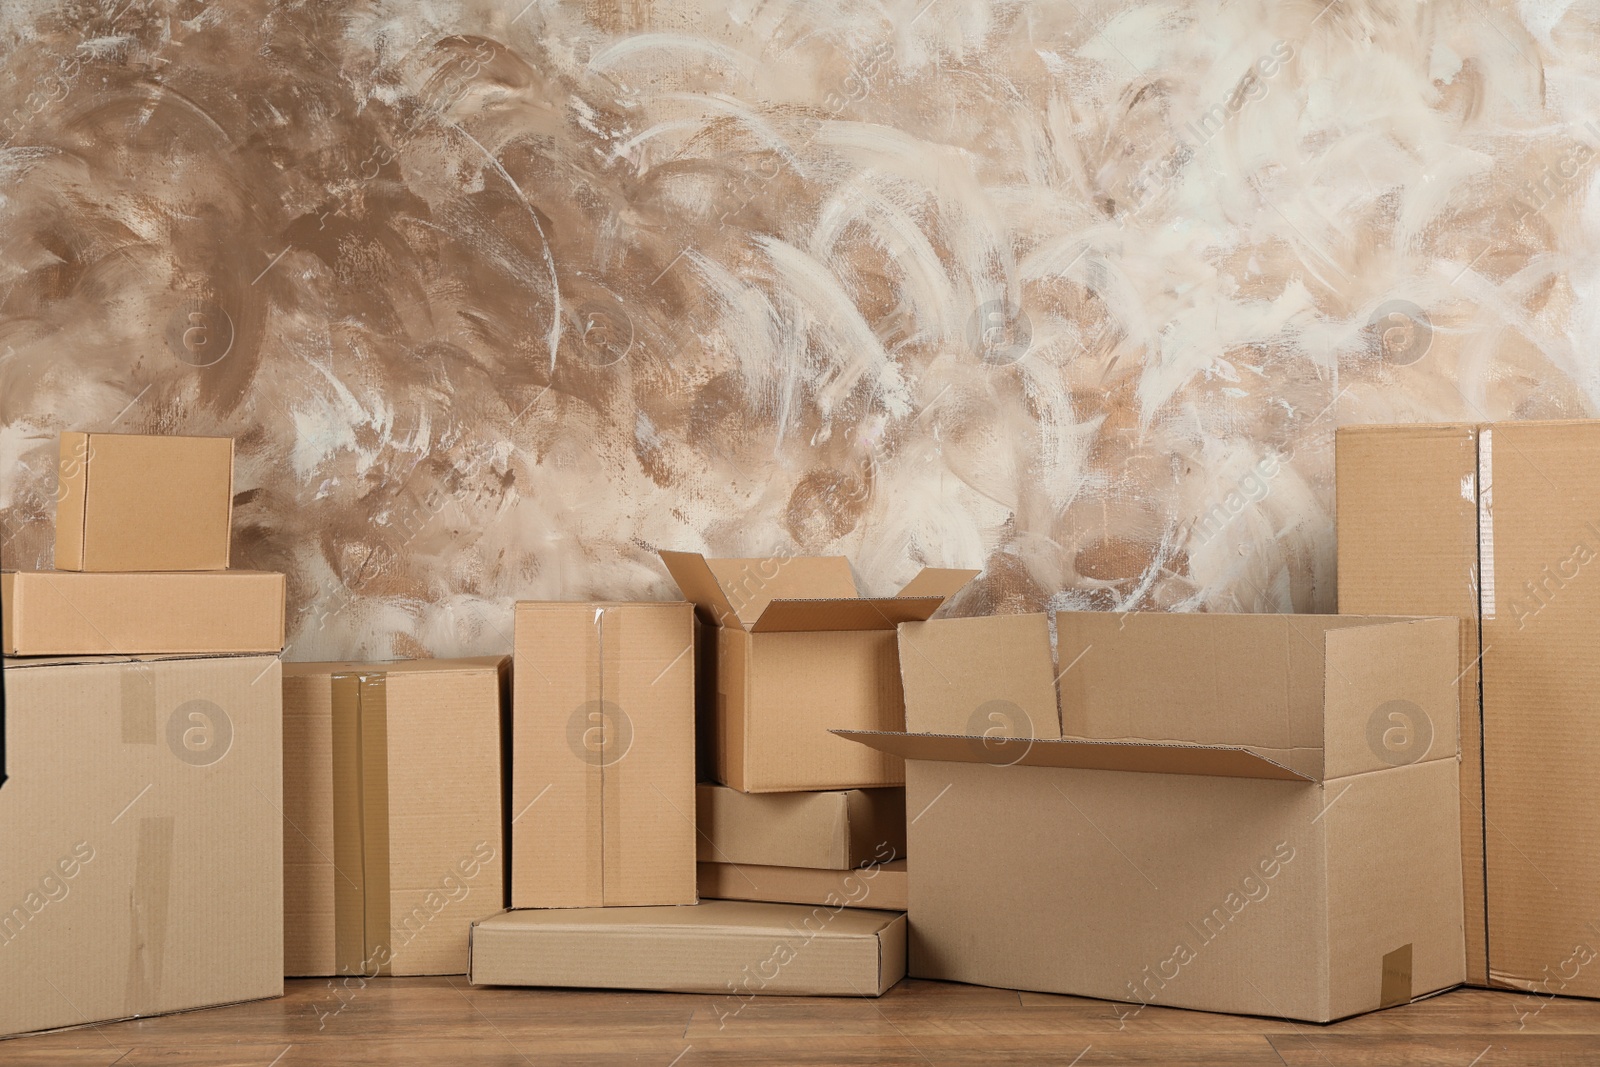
x=617 y=735
x=375 y=822
x=349 y=907
x=138 y=704
x=150 y=907
x=593 y=719
x=1396 y=987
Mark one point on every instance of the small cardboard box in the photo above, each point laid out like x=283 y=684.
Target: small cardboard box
x=833 y=830
x=67 y=613
x=602 y=765
x=877 y=885
x=1253 y=814
x=732 y=948
x=392 y=814
x=130 y=502
x=140 y=860
x=1499 y=525
x=799 y=651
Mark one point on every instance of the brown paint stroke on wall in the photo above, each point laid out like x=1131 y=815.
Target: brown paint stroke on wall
x=498 y=301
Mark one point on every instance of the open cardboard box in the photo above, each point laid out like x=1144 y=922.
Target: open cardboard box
x=799 y=651
x=1247 y=814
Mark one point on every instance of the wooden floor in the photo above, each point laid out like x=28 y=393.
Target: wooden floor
x=441 y=1022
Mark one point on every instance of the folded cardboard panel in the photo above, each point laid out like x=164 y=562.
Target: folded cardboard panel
x=65 y=613
x=1497 y=524
x=1112 y=861
x=1408 y=543
x=832 y=829
x=140 y=857
x=799 y=652
x=131 y=502
x=876 y=885
x=731 y=948
x=603 y=754
x=392 y=814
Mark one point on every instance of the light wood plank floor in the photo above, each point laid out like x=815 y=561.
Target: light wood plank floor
x=439 y=1022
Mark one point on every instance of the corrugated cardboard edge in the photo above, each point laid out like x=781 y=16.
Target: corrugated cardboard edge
x=72 y=473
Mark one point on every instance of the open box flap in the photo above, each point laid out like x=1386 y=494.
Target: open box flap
x=699 y=584
x=1223 y=761
x=861 y=613
x=943 y=582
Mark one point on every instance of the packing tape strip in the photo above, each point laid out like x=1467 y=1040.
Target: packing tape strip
x=593 y=761
x=1396 y=988
x=349 y=907
x=138 y=684
x=150 y=907
x=379 y=947
x=615 y=741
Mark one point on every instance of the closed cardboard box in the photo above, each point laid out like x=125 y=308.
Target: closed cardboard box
x=1499 y=525
x=602 y=767
x=731 y=948
x=62 y=613
x=833 y=829
x=141 y=868
x=800 y=652
x=1249 y=814
x=877 y=885
x=392 y=839
x=130 y=502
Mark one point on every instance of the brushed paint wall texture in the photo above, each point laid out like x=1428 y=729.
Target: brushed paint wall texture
x=500 y=298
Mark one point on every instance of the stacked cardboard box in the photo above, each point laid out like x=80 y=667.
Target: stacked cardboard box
x=1223 y=823
x=606 y=817
x=140 y=864
x=1499 y=526
x=392 y=814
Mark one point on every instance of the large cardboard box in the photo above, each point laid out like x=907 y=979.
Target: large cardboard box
x=877 y=885
x=833 y=829
x=602 y=766
x=1250 y=814
x=392 y=813
x=1499 y=525
x=799 y=652
x=732 y=948
x=129 y=502
x=67 y=613
x=141 y=869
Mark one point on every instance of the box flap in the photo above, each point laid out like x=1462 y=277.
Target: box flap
x=990 y=675
x=1212 y=760
x=943 y=582
x=864 y=613
x=699 y=584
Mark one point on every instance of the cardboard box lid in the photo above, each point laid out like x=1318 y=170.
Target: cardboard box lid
x=1226 y=761
x=803 y=594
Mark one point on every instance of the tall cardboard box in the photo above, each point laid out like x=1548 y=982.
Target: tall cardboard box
x=835 y=829
x=1248 y=814
x=392 y=837
x=67 y=613
x=731 y=948
x=603 y=754
x=141 y=868
x=799 y=652
x=131 y=502
x=1499 y=525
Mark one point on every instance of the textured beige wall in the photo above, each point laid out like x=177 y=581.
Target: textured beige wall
x=498 y=299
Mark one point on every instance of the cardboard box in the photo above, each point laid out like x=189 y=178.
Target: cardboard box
x=726 y=947
x=140 y=863
x=1499 y=525
x=602 y=766
x=392 y=837
x=129 y=502
x=833 y=830
x=799 y=652
x=877 y=885
x=66 y=613
x=1230 y=821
